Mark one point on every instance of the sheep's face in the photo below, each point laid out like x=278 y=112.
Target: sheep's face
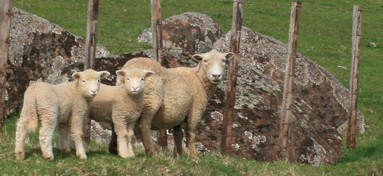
x=134 y=79
x=88 y=81
x=213 y=64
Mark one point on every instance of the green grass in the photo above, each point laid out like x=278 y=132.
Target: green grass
x=324 y=36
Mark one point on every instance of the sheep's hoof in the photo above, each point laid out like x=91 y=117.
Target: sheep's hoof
x=194 y=157
x=20 y=156
x=50 y=158
x=82 y=156
x=195 y=160
x=113 y=151
x=129 y=155
x=150 y=153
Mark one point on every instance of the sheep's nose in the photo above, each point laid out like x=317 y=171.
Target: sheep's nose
x=216 y=75
x=94 y=91
x=135 y=89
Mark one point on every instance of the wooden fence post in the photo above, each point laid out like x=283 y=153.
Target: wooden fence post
x=235 y=38
x=156 y=29
x=5 y=26
x=157 y=46
x=91 y=32
x=90 y=51
x=353 y=106
x=289 y=75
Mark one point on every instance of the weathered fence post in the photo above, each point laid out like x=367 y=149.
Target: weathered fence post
x=90 y=50
x=5 y=26
x=353 y=106
x=91 y=32
x=156 y=29
x=287 y=87
x=157 y=46
x=236 y=28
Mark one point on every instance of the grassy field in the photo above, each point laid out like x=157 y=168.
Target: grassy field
x=325 y=37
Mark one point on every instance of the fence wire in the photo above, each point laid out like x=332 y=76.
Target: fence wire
x=318 y=21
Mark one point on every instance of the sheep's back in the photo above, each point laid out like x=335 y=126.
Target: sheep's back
x=44 y=97
x=198 y=85
x=102 y=103
x=144 y=63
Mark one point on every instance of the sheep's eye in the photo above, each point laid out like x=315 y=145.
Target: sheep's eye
x=128 y=79
x=142 y=79
x=83 y=81
x=205 y=61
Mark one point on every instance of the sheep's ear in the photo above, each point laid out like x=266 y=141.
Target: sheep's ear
x=104 y=74
x=76 y=75
x=148 y=73
x=229 y=55
x=197 y=57
x=120 y=73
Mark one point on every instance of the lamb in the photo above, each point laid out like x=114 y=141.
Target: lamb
x=64 y=105
x=121 y=105
x=185 y=96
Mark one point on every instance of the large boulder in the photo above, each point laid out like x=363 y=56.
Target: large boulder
x=319 y=107
x=43 y=51
x=39 y=51
x=184 y=35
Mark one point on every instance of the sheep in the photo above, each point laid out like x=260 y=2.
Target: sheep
x=121 y=105
x=185 y=96
x=65 y=105
x=153 y=96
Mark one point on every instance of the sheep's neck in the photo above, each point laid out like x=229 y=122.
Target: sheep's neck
x=126 y=93
x=74 y=87
x=207 y=85
x=127 y=97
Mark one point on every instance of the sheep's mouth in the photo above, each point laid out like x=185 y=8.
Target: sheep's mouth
x=215 y=81
x=135 y=92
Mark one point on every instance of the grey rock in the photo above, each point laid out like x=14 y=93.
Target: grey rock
x=39 y=50
x=319 y=107
x=184 y=35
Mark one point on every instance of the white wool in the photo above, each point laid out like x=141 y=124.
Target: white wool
x=65 y=105
x=180 y=96
x=121 y=105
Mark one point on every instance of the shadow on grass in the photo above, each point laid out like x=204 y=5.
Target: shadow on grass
x=36 y=152
x=371 y=152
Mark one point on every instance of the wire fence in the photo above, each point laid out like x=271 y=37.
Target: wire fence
x=324 y=34
x=340 y=51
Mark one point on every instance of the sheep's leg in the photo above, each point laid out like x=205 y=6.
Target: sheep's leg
x=190 y=134
x=48 y=125
x=21 y=134
x=64 y=138
x=178 y=135
x=190 y=143
x=145 y=132
x=122 y=139
x=76 y=131
x=113 y=142
x=162 y=139
x=129 y=137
